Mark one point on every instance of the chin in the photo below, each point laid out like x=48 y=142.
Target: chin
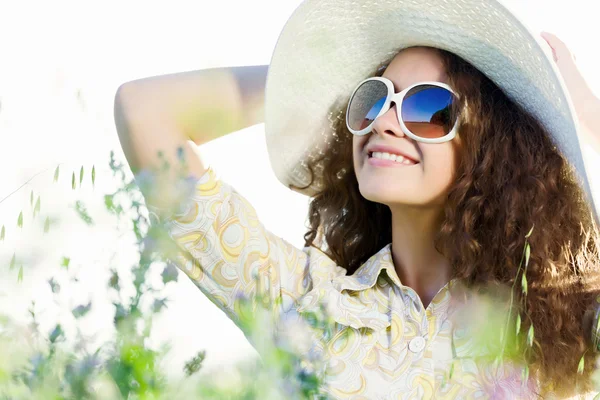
x=385 y=194
x=408 y=196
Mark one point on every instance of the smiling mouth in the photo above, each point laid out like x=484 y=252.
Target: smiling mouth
x=391 y=158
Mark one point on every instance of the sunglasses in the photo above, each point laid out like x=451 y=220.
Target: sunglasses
x=426 y=110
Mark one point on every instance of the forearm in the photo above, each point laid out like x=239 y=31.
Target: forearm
x=142 y=145
x=165 y=114
x=203 y=104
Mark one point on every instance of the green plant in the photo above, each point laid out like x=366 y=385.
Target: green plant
x=46 y=365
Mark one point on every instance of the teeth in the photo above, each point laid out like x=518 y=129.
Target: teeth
x=393 y=157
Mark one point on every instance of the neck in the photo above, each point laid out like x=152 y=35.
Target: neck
x=417 y=263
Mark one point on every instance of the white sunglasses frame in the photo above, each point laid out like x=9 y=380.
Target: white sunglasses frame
x=398 y=99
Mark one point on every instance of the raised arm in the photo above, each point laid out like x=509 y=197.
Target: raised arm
x=169 y=112
x=227 y=252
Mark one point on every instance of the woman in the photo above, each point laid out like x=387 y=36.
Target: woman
x=423 y=205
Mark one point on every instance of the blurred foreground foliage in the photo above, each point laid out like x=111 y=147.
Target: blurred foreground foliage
x=45 y=365
x=37 y=364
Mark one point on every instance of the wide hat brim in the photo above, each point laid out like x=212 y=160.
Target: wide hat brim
x=328 y=46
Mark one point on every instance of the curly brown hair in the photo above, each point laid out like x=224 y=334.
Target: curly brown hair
x=510 y=177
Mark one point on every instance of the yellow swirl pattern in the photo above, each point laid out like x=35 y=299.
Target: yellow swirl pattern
x=385 y=344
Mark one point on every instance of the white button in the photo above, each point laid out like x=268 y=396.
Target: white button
x=416 y=344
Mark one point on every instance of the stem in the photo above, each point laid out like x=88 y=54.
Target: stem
x=29 y=180
x=512 y=294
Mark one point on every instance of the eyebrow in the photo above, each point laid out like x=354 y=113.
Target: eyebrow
x=393 y=84
x=381 y=70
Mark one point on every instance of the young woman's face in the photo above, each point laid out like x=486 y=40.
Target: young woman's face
x=426 y=182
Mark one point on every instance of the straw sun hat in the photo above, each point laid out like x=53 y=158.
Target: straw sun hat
x=328 y=46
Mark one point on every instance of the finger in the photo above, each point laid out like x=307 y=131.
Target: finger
x=556 y=43
x=559 y=48
x=551 y=37
x=549 y=43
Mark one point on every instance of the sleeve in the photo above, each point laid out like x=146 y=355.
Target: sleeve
x=229 y=254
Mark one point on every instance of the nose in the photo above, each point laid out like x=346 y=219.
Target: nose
x=388 y=123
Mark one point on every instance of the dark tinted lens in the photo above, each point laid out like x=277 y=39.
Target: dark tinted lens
x=366 y=104
x=428 y=112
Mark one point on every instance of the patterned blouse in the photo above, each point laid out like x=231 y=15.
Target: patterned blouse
x=384 y=345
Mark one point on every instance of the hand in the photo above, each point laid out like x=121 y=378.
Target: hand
x=583 y=98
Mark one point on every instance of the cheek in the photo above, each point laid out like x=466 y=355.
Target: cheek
x=440 y=170
x=358 y=143
x=426 y=185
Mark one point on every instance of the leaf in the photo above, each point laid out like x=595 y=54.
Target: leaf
x=65 y=262
x=93 y=175
x=31 y=199
x=524 y=283
x=120 y=313
x=451 y=371
x=581 y=365
x=530 y=232
x=525 y=374
x=444 y=381
x=159 y=304
x=56 y=333
x=81 y=310
x=530 y=336
x=496 y=362
x=20 y=220
x=518 y=323
x=13 y=260
x=54 y=286
x=192 y=366
x=47 y=225
x=169 y=274
x=73 y=181
x=108 y=202
x=36 y=210
x=527 y=254
x=113 y=282
x=56 y=172
x=2 y=233
x=81 y=175
x=20 y=276
x=82 y=212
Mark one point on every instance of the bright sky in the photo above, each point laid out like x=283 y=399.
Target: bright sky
x=60 y=70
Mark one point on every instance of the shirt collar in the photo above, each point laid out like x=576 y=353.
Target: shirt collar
x=366 y=275
x=345 y=308
x=351 y=310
